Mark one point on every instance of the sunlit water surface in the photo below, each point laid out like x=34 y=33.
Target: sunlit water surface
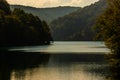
x=67 y=61
x=67 y=47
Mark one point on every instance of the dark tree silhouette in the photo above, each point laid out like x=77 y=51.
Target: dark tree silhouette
x=20 y=28
x=5 y=6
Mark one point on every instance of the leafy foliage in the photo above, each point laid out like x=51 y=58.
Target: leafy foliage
x=5 y=6
x=78 y=25
x=20 y=28
x=108 y=27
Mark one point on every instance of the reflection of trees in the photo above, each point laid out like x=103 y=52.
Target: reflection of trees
x=10 y=61
x=4 y=72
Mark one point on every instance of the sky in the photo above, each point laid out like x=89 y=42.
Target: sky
x=52 y=3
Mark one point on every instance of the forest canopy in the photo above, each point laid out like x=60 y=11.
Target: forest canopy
x=20 y=28
x=77 y=26
x=108 y=28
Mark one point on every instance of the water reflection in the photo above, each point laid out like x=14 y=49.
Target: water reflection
x=44 y=66
x=19 y=61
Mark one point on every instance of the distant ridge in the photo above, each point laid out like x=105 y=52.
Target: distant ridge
x=47 y=14
x=78 y=25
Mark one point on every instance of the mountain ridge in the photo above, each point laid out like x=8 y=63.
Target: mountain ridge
x=47 y=14
x=77 y=25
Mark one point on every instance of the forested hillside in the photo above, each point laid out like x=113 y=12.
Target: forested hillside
x=20 y=28
x=78 y=25
x=47 y=14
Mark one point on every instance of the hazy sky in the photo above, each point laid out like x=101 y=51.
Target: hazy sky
x=52 y=3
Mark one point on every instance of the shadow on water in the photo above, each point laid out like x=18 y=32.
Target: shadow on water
x=10 y=61
x=76 y=57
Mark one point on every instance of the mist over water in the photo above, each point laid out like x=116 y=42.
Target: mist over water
x=71 y=62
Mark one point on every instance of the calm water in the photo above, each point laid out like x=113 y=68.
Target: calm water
x=59 y=61
x=66 y=47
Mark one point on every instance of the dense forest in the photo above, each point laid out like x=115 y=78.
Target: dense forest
x=108 y=28
x=69 y=23
x=20 y=28
x=47 y=14
x=78 y=25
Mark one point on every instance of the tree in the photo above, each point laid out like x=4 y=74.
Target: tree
x=5 y=6
x=46 y=32
x=20 y=28
x=9 y=31
x=108 y=27
x=33 y=22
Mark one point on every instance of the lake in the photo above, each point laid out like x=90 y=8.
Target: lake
x=64 y=60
